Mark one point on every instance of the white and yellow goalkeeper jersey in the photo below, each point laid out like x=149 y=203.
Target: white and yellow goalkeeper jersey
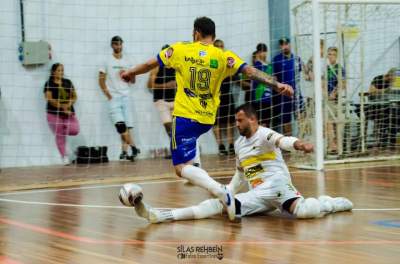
x=259 y=158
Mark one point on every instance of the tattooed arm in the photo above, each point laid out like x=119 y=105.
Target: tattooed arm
x=269 y=80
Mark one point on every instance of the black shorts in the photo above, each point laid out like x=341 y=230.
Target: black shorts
x=226 y=111
x=264 y=112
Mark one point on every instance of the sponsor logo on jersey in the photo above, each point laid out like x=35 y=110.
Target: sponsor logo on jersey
x=202 y=53
x=230 y=62
x=189 y=92
x=205 y=96
x=214 y=64
x=255 y=182
x=253 y=171
x=203 y=103
x=169 y=52
x=195 y=61
x=270 y=135
x=204 y=113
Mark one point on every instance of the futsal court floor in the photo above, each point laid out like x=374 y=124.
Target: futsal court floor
x=45 y=220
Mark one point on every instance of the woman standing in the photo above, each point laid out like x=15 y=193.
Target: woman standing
x=61 y=96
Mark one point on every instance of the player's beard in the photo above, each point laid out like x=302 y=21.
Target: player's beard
x=117 y=51
x=245 y=131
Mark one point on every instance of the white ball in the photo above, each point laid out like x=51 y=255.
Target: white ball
x=130 y=194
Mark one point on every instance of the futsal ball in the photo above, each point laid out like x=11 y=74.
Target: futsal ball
x=130 y=194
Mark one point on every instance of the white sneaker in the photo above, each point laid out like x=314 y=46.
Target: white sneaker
x=66 y=161
x=160 y=216
x=326 y=203
x=337 y=204
x=228 y=200
x=341 y=204
x=153 y=215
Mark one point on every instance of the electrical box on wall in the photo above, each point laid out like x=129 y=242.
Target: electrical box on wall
x=34 y=52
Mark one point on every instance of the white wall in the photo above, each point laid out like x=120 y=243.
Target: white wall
x=79 y=33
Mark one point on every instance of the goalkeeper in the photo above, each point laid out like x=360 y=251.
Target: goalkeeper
x=262 y=170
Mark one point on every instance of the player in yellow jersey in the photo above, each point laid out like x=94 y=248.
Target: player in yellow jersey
x=200 y=69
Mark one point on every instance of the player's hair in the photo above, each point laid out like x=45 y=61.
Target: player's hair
x=261 y=47
x=53 y=70
x=248 y=109
x=165 y=46
x=205 y=26
x=218 y=41
x=116 y=39
x=333 y=49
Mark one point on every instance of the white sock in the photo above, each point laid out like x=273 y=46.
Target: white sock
x=205 y=209
x=183 y=213
x=197 y=157
x=200 y=177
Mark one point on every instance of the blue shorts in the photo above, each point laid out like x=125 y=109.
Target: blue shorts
x=185 y=133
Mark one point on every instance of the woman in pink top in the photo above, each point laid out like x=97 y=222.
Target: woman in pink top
x=61 y=96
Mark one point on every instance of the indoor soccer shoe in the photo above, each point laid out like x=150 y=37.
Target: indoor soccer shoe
x=124 y=156
x=337 y=204
x=228 y=200
x=326 y=204
x=222 y=151
x=342 y=204
x=157 y=216
x=135 y=151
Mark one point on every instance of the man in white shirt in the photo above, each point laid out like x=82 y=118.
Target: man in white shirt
x=261 y=169
x=117 y=93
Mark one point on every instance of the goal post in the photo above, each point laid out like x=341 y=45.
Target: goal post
x=365 y=36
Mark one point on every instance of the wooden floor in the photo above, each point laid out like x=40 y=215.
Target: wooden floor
x=86 y=224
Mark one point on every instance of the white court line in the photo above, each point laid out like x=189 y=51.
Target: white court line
x=159 y=182
x=377 y=209
x=96 y=187
x=126 y=207
x=64 y=205
x=361 y=167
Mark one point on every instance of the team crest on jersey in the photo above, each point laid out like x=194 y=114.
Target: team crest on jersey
x=213 y=64
x=202 y=53
x=203 y=103
x=230 y=62
x=169 y=52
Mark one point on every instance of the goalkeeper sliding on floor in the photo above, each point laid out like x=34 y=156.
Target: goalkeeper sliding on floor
x=261 y=183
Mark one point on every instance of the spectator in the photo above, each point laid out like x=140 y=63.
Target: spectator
x=308 y=68
x=226 y=112
x=61 y=96
x=117 y=93
x=286 y=67
x=162 y=82
x=335 y=81
x=335 y=73
x=245 y=82
x=381 y=83
x=385 y=118
x=261 y=93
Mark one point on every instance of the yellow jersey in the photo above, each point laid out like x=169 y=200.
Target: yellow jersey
x=200 y=69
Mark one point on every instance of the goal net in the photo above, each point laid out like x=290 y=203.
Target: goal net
x=360 y=77
x=360 y=49
x=79 y=35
